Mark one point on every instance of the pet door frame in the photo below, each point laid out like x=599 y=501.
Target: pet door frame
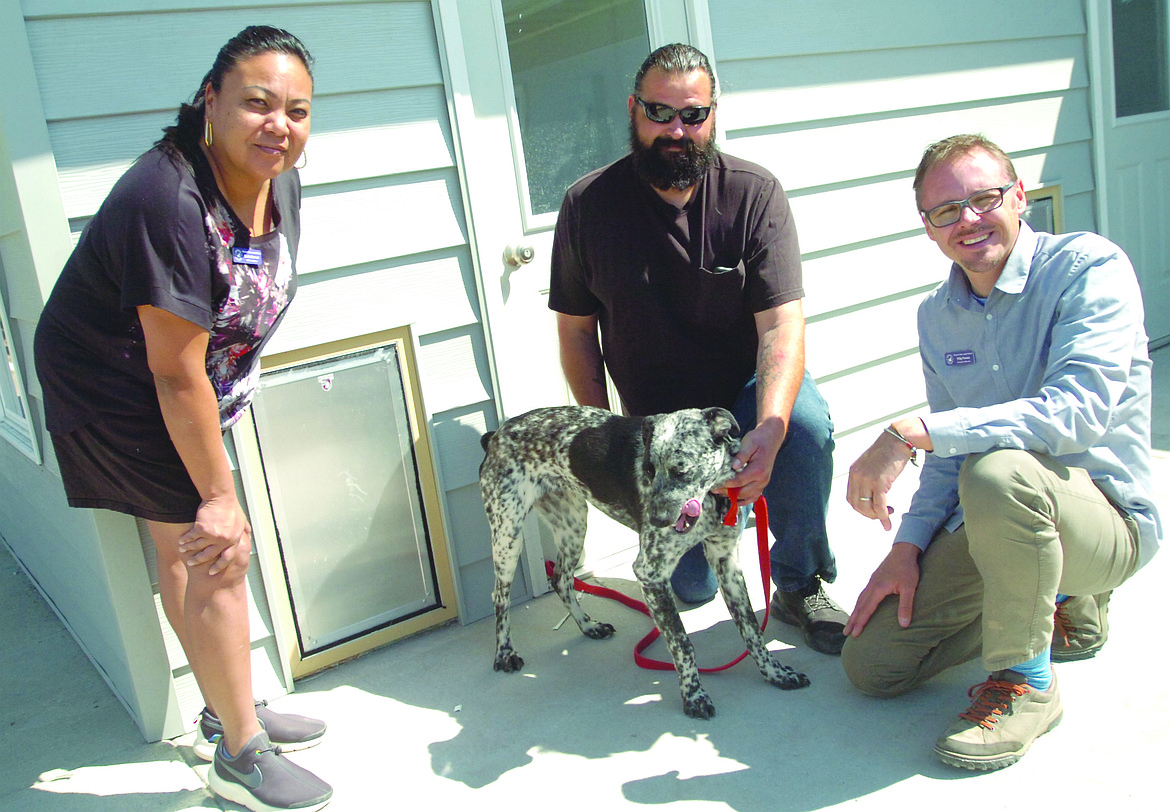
x=265 y=535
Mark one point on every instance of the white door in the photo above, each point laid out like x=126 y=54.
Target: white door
x=1134 y=144
x=539 y=89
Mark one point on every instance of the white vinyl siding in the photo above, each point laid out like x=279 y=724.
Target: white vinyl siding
x=840 y=107
x=385 y=239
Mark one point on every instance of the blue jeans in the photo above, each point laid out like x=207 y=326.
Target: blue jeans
x=798 y=495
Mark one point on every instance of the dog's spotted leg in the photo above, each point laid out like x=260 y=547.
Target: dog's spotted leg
x=735 y=595
x=660 y=601
x=567 y=515
x=507 y=660
x=503 y=508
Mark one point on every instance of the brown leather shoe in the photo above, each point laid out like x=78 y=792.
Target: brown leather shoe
x=1082 y=627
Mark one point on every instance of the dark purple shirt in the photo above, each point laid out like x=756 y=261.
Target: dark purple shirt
x=675 y=290
x=163 y=238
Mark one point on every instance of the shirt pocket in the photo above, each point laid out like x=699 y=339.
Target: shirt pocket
x=714 y=295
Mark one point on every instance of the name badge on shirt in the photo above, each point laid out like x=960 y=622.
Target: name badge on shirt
x=960 y=358
x=247 y=256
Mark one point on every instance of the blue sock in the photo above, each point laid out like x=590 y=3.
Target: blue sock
x=1037 y=671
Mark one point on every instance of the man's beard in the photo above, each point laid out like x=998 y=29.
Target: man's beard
x=671 y=170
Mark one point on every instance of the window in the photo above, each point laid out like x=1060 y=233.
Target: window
x=571 y=65
x=1139 y=57
x=15 y=425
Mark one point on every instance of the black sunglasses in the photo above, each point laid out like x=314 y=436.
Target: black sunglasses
x=664 y=114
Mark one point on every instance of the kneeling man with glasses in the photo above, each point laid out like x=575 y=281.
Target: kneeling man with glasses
x=1035 y=495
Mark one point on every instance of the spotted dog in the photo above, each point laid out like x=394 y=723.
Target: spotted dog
x=652 y=474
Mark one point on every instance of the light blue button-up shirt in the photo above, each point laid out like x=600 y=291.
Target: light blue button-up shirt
x=1056 y=361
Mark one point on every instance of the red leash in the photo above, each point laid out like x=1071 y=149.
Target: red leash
x=761 y=508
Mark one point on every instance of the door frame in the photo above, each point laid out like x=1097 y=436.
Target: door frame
x=1099 y=49
x=480 y=137
x=667 y=21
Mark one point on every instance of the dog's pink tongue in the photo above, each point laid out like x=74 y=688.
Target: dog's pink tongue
x=692 y=509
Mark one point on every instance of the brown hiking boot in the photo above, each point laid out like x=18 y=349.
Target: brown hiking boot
x=1082 y=627
x=1001 y=724
x=820 y=619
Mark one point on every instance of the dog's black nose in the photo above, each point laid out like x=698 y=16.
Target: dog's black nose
x=661 y=520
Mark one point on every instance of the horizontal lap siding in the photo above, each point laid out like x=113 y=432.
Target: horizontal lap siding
x=839 y=103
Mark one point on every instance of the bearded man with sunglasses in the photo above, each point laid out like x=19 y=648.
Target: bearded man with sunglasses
x=682 y=262
x=1035 y=499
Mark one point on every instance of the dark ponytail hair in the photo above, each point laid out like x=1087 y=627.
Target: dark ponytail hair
x=181 y=139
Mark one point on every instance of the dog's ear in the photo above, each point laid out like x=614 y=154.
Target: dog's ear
x=722 y=424
x=648 y=424
x=648 y=428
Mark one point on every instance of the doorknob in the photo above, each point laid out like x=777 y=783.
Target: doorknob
x=517 y=255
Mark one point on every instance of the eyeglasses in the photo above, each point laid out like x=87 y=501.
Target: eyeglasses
x=664 y=114
x=947 y=214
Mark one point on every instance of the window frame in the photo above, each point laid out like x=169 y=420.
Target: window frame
x=16 y=424
x=1053 y=195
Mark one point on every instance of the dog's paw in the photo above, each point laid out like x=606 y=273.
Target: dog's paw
x=508 y=661
x=787 y=679
x=699 y=705
x=598 y=630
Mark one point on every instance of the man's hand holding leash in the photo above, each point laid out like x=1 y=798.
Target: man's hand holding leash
x=753 y=464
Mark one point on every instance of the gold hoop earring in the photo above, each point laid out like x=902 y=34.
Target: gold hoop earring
x=305 y=157
x=208 y=136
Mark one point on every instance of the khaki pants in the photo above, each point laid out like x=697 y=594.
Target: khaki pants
x=1032 y=528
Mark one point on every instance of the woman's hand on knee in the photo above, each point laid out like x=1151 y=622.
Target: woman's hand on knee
x=221 y=537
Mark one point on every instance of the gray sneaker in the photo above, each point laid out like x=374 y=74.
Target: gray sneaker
x=263 y=780
x=999 y=727
x=1081 y=627
x=290 y=731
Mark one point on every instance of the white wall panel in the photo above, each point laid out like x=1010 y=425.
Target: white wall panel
x=457 y=436
x=355 y=136
x=868 y=397
x=364 y=225
x=380 y=133
x=862 y=275
x=754 y=28
x=448 y=368
x=153 y=61
x=785 y=90
x=862 y=337
x=837 y=153
x=874 y=211
x=375 y=300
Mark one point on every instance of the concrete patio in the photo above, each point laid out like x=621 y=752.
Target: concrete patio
x=427 y=724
